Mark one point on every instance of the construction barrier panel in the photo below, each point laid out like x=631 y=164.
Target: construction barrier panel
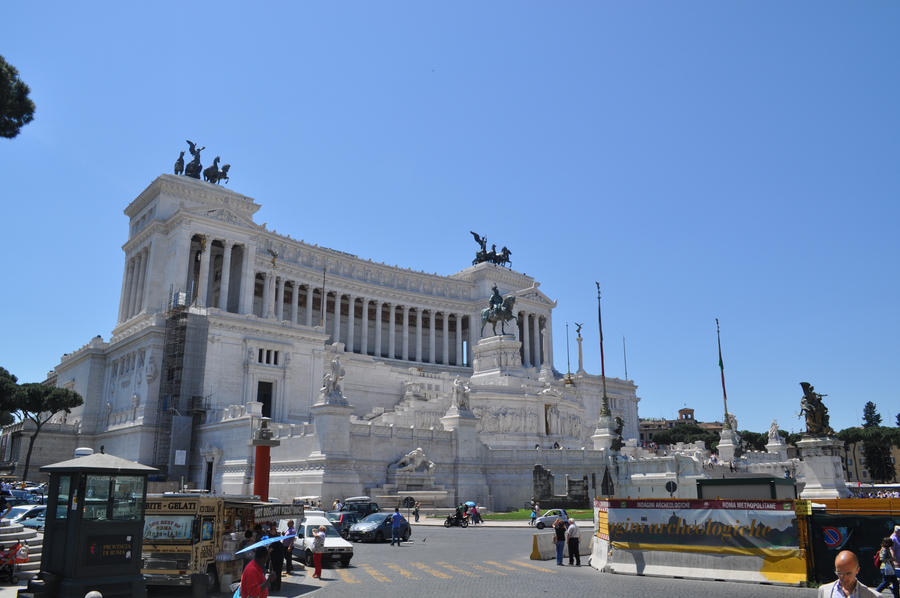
x=543 y=547
x=737 y=540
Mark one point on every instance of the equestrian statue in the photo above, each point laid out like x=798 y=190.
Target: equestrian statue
x=194 y=168
x=500 y=310
x=500 y=258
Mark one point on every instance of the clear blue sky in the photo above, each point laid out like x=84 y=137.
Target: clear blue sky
x=700 y=159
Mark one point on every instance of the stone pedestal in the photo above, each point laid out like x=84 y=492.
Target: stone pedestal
x=496 y=358
x=821 y=468
x=726 y=447
x=778 y=448
x=332 y=428
x=605 y=433
x=469 y=478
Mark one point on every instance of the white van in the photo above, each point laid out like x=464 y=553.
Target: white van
x=336 y=548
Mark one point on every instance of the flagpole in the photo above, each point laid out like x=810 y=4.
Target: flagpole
x=726 y=424
x=568 y=365
x=604 y=408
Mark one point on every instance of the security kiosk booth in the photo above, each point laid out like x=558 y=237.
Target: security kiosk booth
x=94 y=529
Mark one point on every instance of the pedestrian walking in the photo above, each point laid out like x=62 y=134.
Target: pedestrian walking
x=846 y=568
x=559 y=528
x=396 y=525
x=573 y=540
x=318 y=550
x=253 y=580
x=533 y=516
x=289 y=547
x=476 y=516
x=888 y=567
x=416 y=511
x=276 y=563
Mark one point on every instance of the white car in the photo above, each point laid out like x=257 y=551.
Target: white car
x=550 y=517
x=336 y=548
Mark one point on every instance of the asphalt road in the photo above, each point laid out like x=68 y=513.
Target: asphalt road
x=482 y=561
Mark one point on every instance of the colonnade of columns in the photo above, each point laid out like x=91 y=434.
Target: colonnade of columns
x=133 y=284
x=221 y=273
x=368 y=325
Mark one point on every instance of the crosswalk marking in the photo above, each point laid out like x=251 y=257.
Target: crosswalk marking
x=378 y=575
x=501 y=565
x=431 y=571
x=530 y=566
x=488 y=570
x=401 y=571
x=446 y=565
x=346 y=577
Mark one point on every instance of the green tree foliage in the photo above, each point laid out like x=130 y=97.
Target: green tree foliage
x=753 y=441
x=871 y=418
x=38 y=403
x=686 y=433
x=617 y=442
x=898 y=420
x=876 y=449
x=16 y=108
x=8 y=388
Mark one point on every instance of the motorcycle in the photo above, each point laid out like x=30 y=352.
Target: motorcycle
x=11 y=558
x=456 y=520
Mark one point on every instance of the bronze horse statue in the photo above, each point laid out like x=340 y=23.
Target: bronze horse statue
x=501 y=314
x=211 y=174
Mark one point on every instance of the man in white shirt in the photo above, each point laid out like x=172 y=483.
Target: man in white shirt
x=572 y=539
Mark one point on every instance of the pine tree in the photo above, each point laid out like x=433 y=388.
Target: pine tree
x=16 y=108
x=871 y=418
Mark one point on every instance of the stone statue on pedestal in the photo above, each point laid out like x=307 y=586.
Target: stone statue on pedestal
x=331 y=384
x=774 y=436
x=815 y=410
x=460 y=394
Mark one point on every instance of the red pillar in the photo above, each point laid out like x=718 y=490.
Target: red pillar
x=261 y=472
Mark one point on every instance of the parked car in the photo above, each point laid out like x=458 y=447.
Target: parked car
x=377 y=527
x=362 y=505
x=343 y=520
x=550 y=517
x=336 y=548
x=35 y=522
x=24 y=512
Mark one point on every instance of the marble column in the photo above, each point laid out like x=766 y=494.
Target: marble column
x=364 y=328
x=548 y=332
x=123 y=298
x=474 y=323
x=183 y=262
x=139 y=303
x=459 y=356
x=279 y=298
x=431 y=340
x=135 y=279
x=336 y=325
x=526 y=342
x=445 y=341
x=536 y=340
x=392 y=324
x=351 y=324
x=295 y=300
x=418 y=334
x=225 y=279
x=203 y=283
x=405 y=328
x=378 y=352
x=309 y=304
x=266 y=301
x=248 y=279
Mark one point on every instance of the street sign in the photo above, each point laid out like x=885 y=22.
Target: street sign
x=409 y=502
x=671 y=487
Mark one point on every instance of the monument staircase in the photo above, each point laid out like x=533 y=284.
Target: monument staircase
x=10 y=533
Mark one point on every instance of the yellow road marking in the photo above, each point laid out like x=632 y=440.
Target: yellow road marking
x=530 y=566
x=346 y=577
x=401 y=571
x=378 y=575
x=487 y=570
x=501 y=565
x=446 y=565
x=428 y=569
